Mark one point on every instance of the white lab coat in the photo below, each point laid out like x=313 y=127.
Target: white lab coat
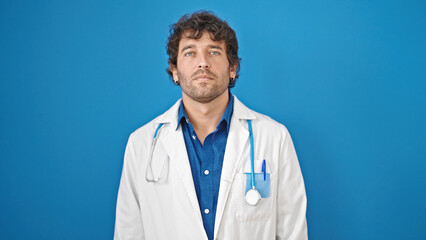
x=169 y=208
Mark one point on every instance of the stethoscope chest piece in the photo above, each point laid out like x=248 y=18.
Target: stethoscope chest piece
x=252 y=197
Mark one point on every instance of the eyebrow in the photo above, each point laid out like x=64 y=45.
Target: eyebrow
x=187 y=47
x=215 y=47
x=193 y=46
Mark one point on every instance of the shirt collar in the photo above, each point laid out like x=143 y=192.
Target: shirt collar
x=226 y=117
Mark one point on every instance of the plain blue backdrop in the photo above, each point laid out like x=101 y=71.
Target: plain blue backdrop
x=346 y=77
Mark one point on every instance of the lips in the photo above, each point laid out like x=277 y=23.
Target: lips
x=203 y=77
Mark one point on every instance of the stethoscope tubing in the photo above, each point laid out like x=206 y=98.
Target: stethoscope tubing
x=253 y=185
x=154 y=142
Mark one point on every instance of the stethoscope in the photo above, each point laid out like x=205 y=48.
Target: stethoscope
x=252 y=196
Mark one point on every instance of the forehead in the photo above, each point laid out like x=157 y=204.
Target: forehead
x=205 y=39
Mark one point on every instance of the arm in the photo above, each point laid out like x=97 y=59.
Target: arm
x=291 y=209
x=128 y=220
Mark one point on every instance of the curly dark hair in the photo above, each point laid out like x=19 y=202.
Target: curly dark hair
x=195 y=24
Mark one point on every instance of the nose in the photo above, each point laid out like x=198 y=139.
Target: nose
x=204 y=63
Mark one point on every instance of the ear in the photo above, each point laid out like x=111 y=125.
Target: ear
x=174 y=71
x=233 y=71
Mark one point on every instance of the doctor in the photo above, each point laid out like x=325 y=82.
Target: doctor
x=209 y=167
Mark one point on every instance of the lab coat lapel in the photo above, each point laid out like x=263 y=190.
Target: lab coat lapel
x=238 y=137
x=175 y=147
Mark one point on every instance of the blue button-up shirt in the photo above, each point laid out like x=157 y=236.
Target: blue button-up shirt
x=206 y=162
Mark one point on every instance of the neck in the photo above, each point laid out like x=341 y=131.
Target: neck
x=205 y=117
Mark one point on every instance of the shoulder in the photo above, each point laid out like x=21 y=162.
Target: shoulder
x=269 y=126
x=268 y=121
x=261 y=121
x=147 y=131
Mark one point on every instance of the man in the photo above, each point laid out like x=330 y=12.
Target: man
x=188 y=174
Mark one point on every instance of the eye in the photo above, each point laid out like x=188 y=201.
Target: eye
x=214 y=53
x=188 y=54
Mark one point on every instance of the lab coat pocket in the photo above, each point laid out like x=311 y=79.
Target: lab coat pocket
x=264 y=183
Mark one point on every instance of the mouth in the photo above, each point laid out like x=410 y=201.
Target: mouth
x=203 y=78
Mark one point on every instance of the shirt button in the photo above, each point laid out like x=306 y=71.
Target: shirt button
x=193 y=136
x=206 y=172
x=206 y=211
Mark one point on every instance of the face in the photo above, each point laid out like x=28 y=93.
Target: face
x=202 y=69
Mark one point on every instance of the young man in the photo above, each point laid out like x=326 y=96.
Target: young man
x=209 y=167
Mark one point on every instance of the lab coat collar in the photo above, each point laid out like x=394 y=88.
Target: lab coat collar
x=171 y=116
x=241 y=112
x=226 y=117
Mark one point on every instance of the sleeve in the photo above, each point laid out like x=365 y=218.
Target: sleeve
x=128 y=220
x=291 y=204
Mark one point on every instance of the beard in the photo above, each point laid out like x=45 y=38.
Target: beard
x=204 y=91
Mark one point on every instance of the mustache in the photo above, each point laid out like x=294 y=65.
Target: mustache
x=203 y=72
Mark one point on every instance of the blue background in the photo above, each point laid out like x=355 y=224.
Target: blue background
x=346 y=77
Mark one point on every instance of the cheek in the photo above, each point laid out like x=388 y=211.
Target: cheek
x=184 y=66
